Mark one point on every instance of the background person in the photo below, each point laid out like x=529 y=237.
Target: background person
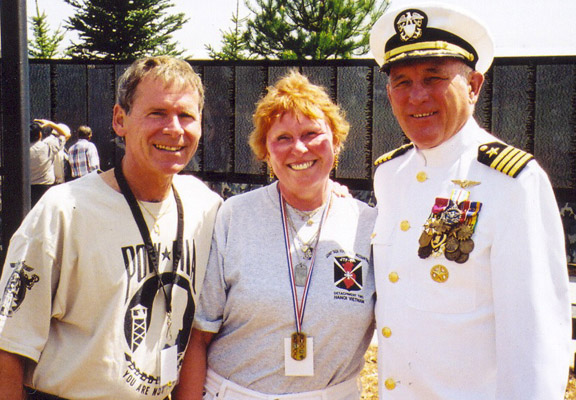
x=61 y=166
x=286 y=247
x=469 y=250
x=83 y=155
x=45 y=148
x=101 y=278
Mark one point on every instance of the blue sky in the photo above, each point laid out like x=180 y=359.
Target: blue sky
x=519 y=27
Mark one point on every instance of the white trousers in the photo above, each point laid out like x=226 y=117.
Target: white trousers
x=219 y=388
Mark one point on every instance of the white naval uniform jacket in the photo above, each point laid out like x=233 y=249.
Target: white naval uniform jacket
x=499 y=326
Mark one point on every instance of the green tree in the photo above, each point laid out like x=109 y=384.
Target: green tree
x=311 y=29
x=123 y=29
x=43 y=44
x=233 y=41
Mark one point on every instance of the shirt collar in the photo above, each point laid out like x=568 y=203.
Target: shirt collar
x=453 y=148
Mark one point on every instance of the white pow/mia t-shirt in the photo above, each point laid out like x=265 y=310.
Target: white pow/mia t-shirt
x=82 y=303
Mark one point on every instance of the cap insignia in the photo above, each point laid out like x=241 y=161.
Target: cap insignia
x=410 y=24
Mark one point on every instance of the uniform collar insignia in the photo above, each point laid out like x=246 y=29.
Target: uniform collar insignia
x=410 y=24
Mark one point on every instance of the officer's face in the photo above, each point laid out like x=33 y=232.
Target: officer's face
x=433 y=98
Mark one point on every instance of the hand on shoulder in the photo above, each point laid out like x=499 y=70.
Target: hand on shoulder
x=340 y=190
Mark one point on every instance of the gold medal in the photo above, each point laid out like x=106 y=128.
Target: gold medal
x=452 y=255
x=451 y=244
x=462 y=258
x=438 y=241
x=425 y=239
x=439 y=273
x=464 y=232
x=439 y=226
x=298 y=349
x=466 y=246
x=424 y=251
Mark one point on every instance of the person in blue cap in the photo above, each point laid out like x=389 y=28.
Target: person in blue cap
x=469 y=256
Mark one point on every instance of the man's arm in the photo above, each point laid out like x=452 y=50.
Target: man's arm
x=193 y=373
x=11 y=376
x=61 y=129
x=530 y=290
x=93 y=159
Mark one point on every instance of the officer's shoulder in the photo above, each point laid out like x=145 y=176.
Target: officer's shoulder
x=393 y=154
x=503 y=158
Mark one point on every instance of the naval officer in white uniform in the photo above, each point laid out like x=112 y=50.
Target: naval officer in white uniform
x=469 y=251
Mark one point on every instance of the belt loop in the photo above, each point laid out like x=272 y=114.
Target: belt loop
x=222 y=389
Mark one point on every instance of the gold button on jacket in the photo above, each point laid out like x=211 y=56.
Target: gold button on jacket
x=404 y=225
x=421 y=176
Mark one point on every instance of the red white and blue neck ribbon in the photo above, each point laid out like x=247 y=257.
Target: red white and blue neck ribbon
x=299 y=306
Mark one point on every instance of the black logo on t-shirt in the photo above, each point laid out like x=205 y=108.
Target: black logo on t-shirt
x=348 y=273
x=15 y=290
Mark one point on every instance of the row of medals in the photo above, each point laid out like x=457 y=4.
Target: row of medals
x=452 y=240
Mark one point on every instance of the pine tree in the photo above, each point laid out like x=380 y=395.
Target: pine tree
x=234 y=45
x=311 y=29
x=123 y=29
x=43 y=44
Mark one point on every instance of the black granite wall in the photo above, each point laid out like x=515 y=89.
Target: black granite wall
x=527 y=102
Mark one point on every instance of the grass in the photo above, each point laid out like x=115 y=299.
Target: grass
x=571 y=389
x=369 y=378
x=369 y=375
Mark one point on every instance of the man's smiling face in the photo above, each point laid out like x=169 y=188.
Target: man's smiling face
x=161 y=130
x=433 y=98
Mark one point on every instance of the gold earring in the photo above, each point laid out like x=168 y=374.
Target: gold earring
x=271 y=172
x=336 y=161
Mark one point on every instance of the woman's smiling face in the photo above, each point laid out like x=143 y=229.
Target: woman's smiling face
x=301 y=153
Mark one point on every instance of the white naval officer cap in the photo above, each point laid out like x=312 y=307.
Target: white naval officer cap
x=431 y=30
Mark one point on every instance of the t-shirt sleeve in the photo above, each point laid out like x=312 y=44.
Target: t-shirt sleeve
x=212 y=300
x=56 y=143
x=29 y=279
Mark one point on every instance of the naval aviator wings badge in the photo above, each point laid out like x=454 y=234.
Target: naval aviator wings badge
x=449 y=228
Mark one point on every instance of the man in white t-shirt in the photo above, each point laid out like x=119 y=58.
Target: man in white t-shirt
x=47 y=140
x=99 y=287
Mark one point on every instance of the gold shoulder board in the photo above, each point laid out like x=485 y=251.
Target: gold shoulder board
x=393 y=154
x=506 y=159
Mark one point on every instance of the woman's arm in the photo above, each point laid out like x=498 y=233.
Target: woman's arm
x=193 y=372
